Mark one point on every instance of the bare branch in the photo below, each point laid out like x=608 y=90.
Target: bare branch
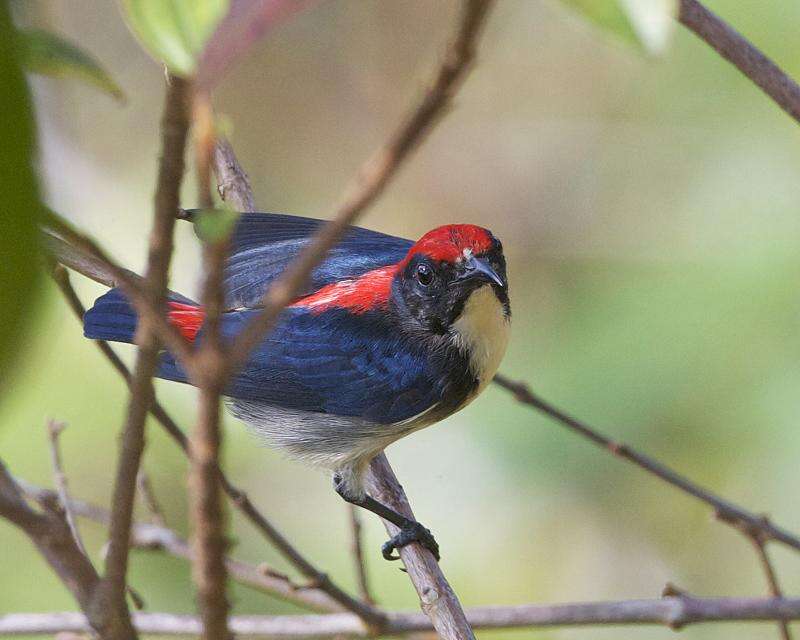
x=724 y=510
x=111 y=593
x=54 y=430
x=771 y=575
x=732 y=46
x=148 y=496
x=437 y=598
x=206 y=508
x=51 y=534
x=674 y=612
x=357 y=551
x=233 y=184
x=371 y=180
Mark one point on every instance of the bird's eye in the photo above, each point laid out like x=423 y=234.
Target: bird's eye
x=424 y=275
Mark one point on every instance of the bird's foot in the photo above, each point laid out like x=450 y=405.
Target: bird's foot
x=412 y=532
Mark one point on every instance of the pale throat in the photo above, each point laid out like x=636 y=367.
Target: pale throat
x=482 y=332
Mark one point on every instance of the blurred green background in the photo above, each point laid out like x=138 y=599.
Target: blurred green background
x=649 y=211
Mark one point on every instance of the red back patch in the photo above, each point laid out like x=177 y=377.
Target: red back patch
x=188 y=318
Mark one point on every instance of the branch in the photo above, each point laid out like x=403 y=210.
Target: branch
x=111 y=593
x=726 y=511
x=206 y=508
x=233 y=184
x=371 y=180
x=437 y=598
x=51 y=534
x=771 y=576
x=54 y=429
x=357 y=551
x=732 y=46
x=674 y=612
x=148 y=497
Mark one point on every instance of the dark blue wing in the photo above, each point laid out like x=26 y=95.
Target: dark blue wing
x=334 y=362
x=263 y=244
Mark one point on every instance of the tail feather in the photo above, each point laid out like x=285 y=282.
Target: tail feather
x=111 y=318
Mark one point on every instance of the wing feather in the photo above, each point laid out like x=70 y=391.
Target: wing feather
x=263 y=244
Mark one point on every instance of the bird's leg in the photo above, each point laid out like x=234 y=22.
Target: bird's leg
x=410 y=530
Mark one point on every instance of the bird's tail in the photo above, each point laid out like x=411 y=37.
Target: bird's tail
x=113 y=317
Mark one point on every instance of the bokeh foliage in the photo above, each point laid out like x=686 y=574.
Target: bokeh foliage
x=20 y=203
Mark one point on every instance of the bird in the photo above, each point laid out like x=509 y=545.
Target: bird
x=389 y=336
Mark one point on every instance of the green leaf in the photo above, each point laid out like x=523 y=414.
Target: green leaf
x=50 y=55
x=646 y=23
x=19 y=213
x=175 y=31
x=214 y=225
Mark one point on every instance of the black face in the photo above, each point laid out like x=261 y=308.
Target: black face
x=433 y=293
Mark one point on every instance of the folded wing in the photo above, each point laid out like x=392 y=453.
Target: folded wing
x=263 y=244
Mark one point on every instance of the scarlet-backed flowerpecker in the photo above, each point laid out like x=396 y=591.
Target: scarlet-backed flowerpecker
x=389 y=336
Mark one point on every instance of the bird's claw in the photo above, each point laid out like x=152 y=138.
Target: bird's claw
x=414 y=532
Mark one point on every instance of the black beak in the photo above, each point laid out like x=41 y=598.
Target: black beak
x=478 y=268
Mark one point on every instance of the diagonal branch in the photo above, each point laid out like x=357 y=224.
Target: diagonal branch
x=357 y=551
x=111 y=593
x=437 y=598
x=233 y=184
x=206 y=507
x=54 y=430
x=760 y=547
x=49 y=531
x=724 y=510
x=735 y=48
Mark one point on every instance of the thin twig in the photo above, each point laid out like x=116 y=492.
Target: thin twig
x=770 y=574
x=372 y=178
x=357 y=551
x=674 y=612
x=148 y=496
x=175 y=125
x=49 y=531
x=206 y=508
x=732 y=46
x=724 y=510
x=54 y=430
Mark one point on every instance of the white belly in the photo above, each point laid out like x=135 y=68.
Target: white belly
x=482 y=331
